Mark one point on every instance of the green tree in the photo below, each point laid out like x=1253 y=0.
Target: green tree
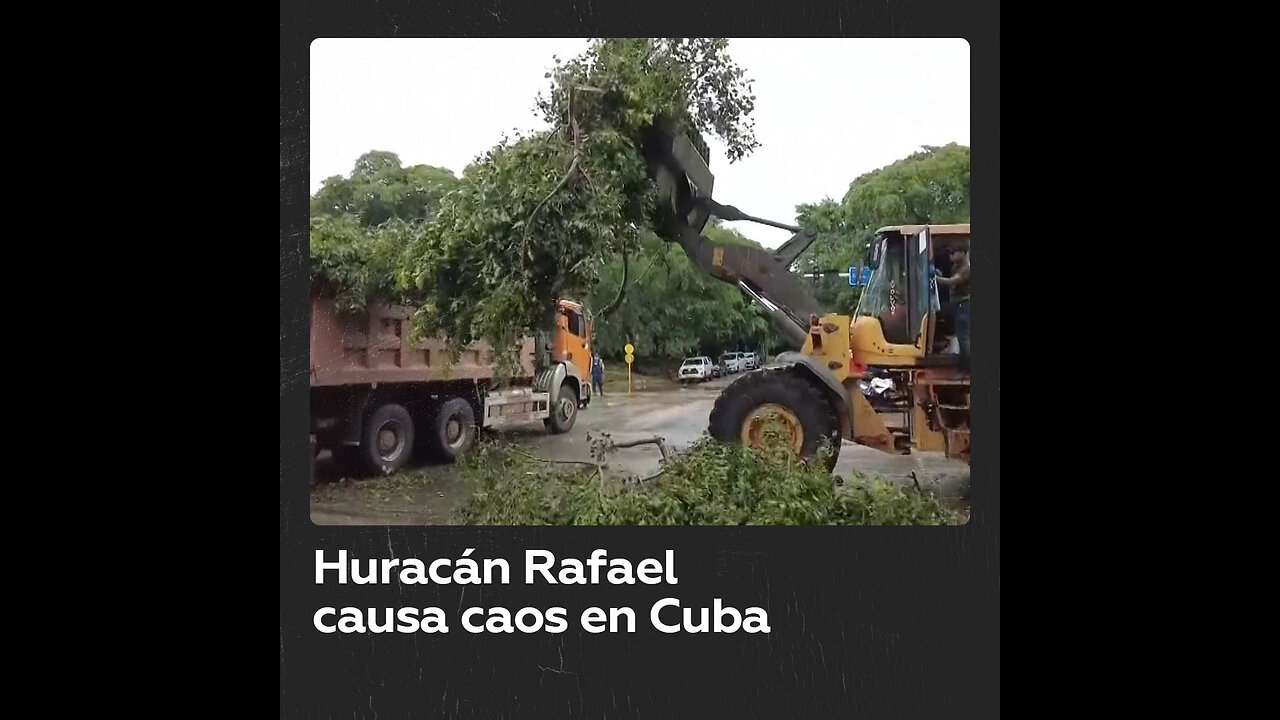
x=380 y=188
x=836 y=249
x=673 y=309
x=931 y=186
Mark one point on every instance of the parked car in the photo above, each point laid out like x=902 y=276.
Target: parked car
x=732 y=363
x=695 y=368
x=749 y=361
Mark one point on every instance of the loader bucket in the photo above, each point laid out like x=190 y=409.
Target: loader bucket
x=679 y=169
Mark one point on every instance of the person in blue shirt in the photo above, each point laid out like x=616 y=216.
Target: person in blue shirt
x=597 y=374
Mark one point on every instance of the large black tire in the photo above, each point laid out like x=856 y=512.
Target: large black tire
x=386 y=440
x=565 y=412
x=453 y=430
x=784 y=387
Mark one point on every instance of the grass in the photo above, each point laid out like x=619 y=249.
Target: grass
x=615 y=380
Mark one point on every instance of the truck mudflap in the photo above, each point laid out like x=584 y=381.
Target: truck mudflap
x=551 y=380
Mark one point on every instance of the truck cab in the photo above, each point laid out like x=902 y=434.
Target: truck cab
x=572 y=341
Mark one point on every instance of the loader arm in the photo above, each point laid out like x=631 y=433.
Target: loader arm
x=684 y=206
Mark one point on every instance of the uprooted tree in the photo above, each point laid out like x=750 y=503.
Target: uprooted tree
x=539 y=216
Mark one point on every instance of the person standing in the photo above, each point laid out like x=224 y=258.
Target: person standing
x=958 y=284
x=597 y=374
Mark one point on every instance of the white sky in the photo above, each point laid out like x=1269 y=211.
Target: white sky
x=827 y=109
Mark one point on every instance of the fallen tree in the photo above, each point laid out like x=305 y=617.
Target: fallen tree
x=707 y=484
x=357 y=264
x=538 y=216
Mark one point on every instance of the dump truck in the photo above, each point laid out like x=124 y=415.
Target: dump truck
x=897 y=331
x=377 y=395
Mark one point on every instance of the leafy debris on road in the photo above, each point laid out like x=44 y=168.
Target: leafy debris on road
x=709 y=483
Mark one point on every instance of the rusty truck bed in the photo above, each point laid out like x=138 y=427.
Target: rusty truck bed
x=350 y=350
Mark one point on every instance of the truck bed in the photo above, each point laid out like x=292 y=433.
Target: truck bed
x=350 y=350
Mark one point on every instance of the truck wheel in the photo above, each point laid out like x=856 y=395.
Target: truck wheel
x=802 y=409
x=453 y=429
x=387 y=440
x=565 y=413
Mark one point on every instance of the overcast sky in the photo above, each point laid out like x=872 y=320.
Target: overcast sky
x=827 y=110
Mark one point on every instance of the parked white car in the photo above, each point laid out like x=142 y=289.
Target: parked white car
x=732 y=363
x=749 y=361
x=695 y=368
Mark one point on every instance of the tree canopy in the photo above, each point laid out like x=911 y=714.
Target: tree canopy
x=379 y=188
x=360 y=225
x=540 y=216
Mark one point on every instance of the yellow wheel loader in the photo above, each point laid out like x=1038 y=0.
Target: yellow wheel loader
x=897 y=333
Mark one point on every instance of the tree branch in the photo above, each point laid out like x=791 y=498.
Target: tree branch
x=660 y=442
x=646 y=270
x=572 y=166
x=595 y=465
x=622 y=291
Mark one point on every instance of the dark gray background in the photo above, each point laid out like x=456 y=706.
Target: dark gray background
x=867 y=622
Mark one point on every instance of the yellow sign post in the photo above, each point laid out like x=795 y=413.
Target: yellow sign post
x=630 y=358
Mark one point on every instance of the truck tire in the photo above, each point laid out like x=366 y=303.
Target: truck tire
x=804 y=410
x=453 y=430
x=565 y=413
x=386 y=440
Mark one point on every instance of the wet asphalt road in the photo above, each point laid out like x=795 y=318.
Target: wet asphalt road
x=680 y=417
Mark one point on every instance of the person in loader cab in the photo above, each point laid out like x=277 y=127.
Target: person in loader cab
x=936 y=266
x=958 y=285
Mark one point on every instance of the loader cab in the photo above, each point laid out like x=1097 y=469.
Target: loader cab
x=572 y=341
x=896 y=322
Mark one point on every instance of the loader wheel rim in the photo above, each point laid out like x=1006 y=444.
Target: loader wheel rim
x=453 y=431
x=753 y=425
x=567 y=408
x=390 y=440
